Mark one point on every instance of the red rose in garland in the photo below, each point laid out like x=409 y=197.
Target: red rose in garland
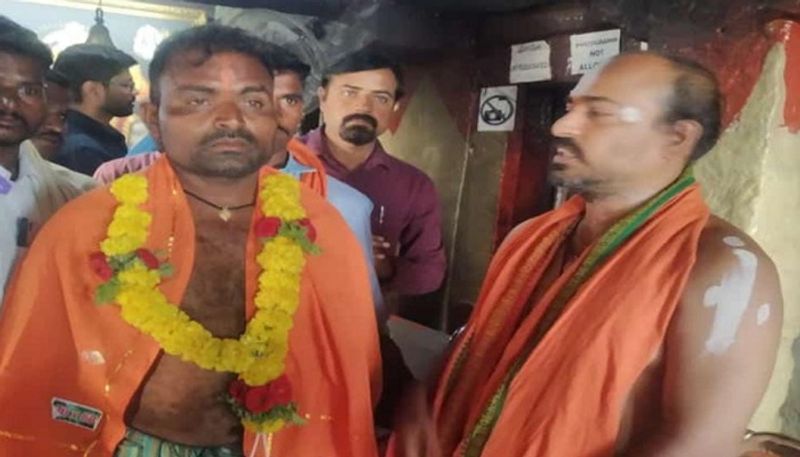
x=237 y=390
x=148 y=258
x=281 y=390
x=261 y=399
x=267 y=227
x=258 y=400
x=100 y=266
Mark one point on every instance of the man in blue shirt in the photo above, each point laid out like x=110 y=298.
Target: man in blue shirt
x=355 y=207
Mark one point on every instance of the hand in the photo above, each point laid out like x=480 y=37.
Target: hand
x=415 y=429
x=384 y=257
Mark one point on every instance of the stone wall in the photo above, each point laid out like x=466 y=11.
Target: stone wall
x=752 y=179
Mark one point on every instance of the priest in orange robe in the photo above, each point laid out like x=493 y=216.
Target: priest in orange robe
x=628 y=322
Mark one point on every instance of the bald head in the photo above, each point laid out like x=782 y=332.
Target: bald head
x=632 y=127
x=688 y=91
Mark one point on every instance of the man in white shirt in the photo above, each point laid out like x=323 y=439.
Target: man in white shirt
x=31 y=189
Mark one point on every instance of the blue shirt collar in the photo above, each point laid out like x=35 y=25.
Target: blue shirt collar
x=295 y=168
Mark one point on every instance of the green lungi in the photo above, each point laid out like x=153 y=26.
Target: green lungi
x=138 y=444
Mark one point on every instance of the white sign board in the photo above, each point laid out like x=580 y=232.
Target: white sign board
x=497 y=109
x=530 y=62
x=589 y=51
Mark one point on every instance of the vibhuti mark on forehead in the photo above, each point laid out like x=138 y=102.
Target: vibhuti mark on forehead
x=730 y=299
x=627 y=114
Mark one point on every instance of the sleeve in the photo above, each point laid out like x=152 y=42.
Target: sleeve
x=363 y=232
x=88 y=158
x=421 y=265
x=356 y=209
x=107 y=172
x=80 y=154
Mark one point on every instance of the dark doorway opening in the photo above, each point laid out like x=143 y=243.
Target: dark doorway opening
x=524 y=189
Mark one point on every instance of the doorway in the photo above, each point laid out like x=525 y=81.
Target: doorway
x=524 y=189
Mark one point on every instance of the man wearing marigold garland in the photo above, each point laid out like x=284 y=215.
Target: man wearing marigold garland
x=207 y=306
x=289 y=81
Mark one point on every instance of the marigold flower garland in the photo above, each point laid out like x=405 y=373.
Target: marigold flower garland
x=261 y=396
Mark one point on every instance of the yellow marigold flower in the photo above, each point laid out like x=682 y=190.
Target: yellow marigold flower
x=117 y=246
x=282 y=323
x=279 y=183
x=282 y=200
x=131 y=189
x=261 y=373
x=281 y=281
x=138 y=275
x=260 y=300
x=272 y=426
x=269 y=426
x=286 y=293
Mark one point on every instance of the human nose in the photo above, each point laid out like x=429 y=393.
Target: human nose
x=567 y=126
x=8 y=99
x=364 y=103
x=228 y=115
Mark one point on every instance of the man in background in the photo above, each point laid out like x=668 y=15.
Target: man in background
x=358 y=97
x=50 y=137
x=31 y=189
x=101 y=88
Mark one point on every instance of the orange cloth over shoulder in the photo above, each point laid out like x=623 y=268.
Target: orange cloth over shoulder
x=56 y=343
x=316 y=180
x=566 y=400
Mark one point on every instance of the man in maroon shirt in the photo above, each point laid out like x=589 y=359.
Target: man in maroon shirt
x=358 y=96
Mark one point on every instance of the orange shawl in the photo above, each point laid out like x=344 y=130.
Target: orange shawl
x=51 y=332
x=316 y=180
x=567 y=397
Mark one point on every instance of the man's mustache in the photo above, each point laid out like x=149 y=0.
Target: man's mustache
x=364 y=117
x=16 y=116
x=569 y=145
x=223 y=134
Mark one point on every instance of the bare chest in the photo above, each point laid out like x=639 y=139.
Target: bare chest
x=215 y=295
x=180 y=401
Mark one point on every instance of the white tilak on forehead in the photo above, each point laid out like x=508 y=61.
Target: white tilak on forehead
x=730 y=298
x=630 y=114
x=627 y=114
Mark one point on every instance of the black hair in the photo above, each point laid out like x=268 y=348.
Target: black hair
x=209 y=39
x=90 y=62
x=16 y=39
x=695 y=96
x=281 y=60
x=363 y=61
x=55 y=77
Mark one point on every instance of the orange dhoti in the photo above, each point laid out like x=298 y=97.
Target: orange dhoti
x=57 y=345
